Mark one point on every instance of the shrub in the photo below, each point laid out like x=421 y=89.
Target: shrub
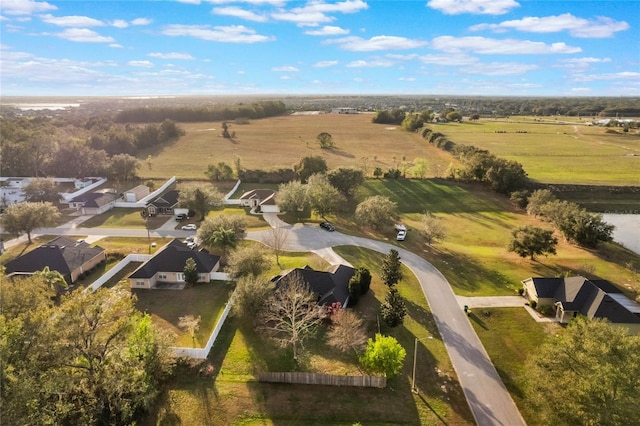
x=521 y=291
x=533 y=304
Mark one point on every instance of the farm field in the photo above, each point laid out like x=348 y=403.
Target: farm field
x=556 y=152
x=280 y=142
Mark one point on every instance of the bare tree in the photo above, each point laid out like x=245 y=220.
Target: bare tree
x=190 y=324
x=347 y=332
x=276 y=238
x=291 y=315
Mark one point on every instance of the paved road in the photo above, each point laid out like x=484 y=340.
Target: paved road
x=486 y=394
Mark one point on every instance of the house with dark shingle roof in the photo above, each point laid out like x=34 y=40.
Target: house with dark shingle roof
x=94 y=202
x=68 y=257
x=164 y=204
x=329 y=286
x=165 y=268
x=573 y=296
x=265 y=199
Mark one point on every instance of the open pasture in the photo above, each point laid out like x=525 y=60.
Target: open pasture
x=556 y=152
x=280 y=142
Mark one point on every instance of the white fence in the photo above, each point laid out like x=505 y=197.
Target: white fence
x=117 y=268
x=230 y=193
x=202 y=353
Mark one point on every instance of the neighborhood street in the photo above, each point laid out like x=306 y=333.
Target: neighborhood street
x=490 y=402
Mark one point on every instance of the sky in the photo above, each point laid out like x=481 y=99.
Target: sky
x=320 y=47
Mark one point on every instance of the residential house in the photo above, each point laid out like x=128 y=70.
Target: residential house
x=263 y=199
x=165 y=268
x=164 y=204
x=329 y=286
x=573 y=296
x=94 y=202
x=69 y=257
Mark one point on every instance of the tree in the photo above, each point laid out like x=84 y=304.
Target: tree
x=454 y=116
x=347 y=332
x=325 y=140
x=346 y=180
x=27 y=216
x=506 y=176
x=431 y=228
x=91 y=359
x=391 y=273
x=222 y=231
x=384 y=355
x=190 y=324
x=310 y=165
x=537 y=200
x=589 y=375
x=377 y=212
x=123 y=167
x=323 y=197
x=41 y=190
x=221 y=171
x=276 y=238
x=531 y=241
x=54 y=279
x=225 y=130
x=412 y=122
x=359 y=284
x=247 y=261
x=377 y=172
x=576 y=223
x=190 y=271
x=419 y=168
x=200 y=199
x=393 y=309
x=291 y=315
x=250 y=297
x=292 y=197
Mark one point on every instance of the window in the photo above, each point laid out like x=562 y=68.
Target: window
x=140 y=283
x=162 y=276
x=180 y=276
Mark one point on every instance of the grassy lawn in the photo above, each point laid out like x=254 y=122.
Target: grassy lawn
x=555 y=151
x=127 y=245
x=167 y=306
x=279 y=142
x=121 y=217
x=232 y=396
x=509 y=335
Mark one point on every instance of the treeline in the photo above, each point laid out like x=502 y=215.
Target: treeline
x=504 y=176
x=48 y=147
x=204 y=113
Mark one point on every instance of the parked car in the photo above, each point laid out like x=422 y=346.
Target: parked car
x=400 y=227
x=192 y=245
x=189 y=227
x=180 y=217
x=401 y=235
x=190 y=239
x=328 y=226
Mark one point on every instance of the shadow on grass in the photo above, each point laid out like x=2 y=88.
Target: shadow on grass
x=472 y=316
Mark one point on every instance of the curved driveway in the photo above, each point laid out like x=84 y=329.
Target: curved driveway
x=486 y=394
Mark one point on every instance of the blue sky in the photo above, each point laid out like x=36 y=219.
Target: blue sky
x=216 y=47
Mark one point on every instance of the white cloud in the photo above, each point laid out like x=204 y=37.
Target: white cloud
x=348 y=6
x=83 y=35
x=141 y=21
x=327 y=30
x=239 y=13
x=578 y=27
x=25 y=7
x=325 y=64
x=581 y=90
x=304 y=19
x=119 y=23
x=624 y=75
x=588 y=60
x=286 y=68
x=116 y=45
x=171 y=55
x=483 y=45
x=189 y=1
x=481 y=7
x=228 y=34
x=71 y=21
x=455 y=59
x=140 y=64
x=406 y=79
x=315 y=13
x=371 y=63
x=498 y=68
x=358 y=44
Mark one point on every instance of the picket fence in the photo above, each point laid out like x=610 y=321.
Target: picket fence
x=322 y=379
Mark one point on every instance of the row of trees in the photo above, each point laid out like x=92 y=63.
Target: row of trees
x=89 y=359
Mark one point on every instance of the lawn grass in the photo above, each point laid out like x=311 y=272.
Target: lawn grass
x=510 y=335
x=233 y=396
x=167 y=306
x=128 y=245
x=280 y=142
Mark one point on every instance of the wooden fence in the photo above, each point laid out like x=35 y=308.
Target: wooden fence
x=322 y=379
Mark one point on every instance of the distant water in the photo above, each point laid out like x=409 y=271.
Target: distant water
x=627 y=230
x=42 y=107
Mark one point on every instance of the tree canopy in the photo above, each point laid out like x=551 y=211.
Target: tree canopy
x=391 y=272
x=200 y=199
x=310 y=165
x=384 y=355
x=27 y=216
x=377 y=212
x=532 y=241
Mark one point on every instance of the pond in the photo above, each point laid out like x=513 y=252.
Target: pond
x=627 y=231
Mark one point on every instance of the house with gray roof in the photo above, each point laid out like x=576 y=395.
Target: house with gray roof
x=68 y=257
x=165 y=268
x=329 y=286
x=573 y=296
x=264 y=199
x=164 y=204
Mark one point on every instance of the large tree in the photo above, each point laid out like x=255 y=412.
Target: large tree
x=251 y=297
x=310 y=165
x=291 y=315
x=123 y=167
x=346 y=179
x=247 y=261
x=41 y=190
x=325 y=140
x=589 y=374
x=190 y=271
x=276 y=238
x=323 y=197
x=391 y=272
x=431 y=228
x=347 y=332
x=531 y=241
x=292 y=197
x=393 y=309
x=377 y=212
x=200 y=199
x=91 y=359
x=384 y=355
x=27 y=216
x=222 y=231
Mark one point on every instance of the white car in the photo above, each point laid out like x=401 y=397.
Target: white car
x=401 y=235
x=189 y=227
x=192 y=245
